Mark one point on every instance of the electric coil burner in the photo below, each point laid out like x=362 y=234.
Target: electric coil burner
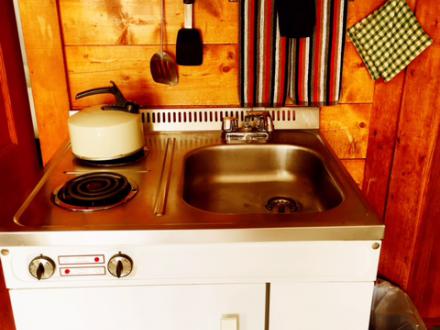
x=94 y=191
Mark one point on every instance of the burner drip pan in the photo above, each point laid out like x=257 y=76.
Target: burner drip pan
x=94 y=191
x=133 y=158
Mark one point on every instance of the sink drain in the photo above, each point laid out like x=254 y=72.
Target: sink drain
x=283 y=205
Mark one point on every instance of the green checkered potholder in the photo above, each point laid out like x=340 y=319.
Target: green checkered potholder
x=389 y=39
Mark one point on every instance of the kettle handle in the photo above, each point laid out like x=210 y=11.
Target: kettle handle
x=121 y=102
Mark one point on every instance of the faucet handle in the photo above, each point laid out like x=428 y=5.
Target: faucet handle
x=269 y=124
x=229 y=124
x=262 y=117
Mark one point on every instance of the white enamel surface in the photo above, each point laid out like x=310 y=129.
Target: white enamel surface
x=105 y=134
x=321 y=261
x=229 y=322
x=193 y=307
x=313 y=286
x=319 y=306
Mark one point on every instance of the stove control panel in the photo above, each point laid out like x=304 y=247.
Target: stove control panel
x=120 y=265
x=42 y=267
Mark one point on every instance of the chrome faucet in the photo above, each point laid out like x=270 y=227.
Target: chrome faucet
x=257 y=127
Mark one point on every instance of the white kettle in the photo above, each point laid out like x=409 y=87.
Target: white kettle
x=106 y=132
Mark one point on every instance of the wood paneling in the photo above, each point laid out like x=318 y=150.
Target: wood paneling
x=416 y=138
x=424 y=281
x=18 y=155
x=356 y=169
x=410 y=254
x=382 y=139
x=19 y=168
x=213 y=83
x=46 y=61
x=346 y=127
x=357 y=85
x=114 y=40
x=124 y=22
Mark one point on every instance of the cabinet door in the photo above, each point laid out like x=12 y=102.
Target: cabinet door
x=318 y=306
x=190 y=307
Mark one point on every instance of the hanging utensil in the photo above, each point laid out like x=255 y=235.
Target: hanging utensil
x=162 y=65
x=189 y=46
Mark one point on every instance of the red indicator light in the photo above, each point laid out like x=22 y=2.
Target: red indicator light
x=96 y=259
x=67 y=271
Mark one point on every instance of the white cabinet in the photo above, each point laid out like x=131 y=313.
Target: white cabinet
x=303 y=285
x=189 y=307
x=318 y=306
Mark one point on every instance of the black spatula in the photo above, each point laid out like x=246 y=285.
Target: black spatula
x=189 y=46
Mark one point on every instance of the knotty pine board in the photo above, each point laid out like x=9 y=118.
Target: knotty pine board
x=213 y=83
x=114 y=40
x=346 y=128
x=410 y=254
x=357 y=85
x=137 y=22
x=90 y=66
x=381 y=141
x=44 y=50
x=356 y=169
x=418 y=134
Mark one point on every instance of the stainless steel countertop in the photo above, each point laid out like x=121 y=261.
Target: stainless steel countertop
x=146 y=220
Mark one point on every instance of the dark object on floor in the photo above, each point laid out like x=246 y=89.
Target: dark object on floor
x=297 y=18
x=393 y=309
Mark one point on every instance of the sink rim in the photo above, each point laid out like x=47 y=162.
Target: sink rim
x=271 y=146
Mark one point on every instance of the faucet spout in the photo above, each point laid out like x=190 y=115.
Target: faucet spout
x=256 y=128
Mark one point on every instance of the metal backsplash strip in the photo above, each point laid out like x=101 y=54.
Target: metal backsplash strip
x=210 y=119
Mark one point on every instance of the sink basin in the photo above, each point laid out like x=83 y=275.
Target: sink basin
x=259 y=179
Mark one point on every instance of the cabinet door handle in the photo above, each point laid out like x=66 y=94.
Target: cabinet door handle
x=229 y=322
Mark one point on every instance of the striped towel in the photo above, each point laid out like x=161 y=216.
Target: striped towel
x=264 y=55
x=308 y=71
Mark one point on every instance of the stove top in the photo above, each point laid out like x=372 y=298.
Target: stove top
x=143 y=194
x=77 y=194
x=94 y=191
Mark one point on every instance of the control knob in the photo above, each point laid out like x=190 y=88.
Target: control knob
x=120 y=265
x=42 y=267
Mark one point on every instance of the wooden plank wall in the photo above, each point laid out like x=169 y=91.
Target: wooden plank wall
x=115 y=40
x=410 y=254
x=43 y=41
x=103 y=40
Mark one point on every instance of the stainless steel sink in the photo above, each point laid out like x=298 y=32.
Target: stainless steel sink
x=245 y=179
